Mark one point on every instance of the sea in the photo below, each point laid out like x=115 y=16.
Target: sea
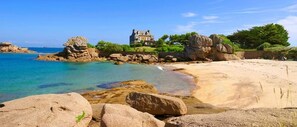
x=22 y=75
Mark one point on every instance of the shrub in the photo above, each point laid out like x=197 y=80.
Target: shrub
x=172 y=48
x=264 y=46
x=236 y=47
x=109 y=47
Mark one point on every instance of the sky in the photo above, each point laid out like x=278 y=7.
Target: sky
x=49 y=23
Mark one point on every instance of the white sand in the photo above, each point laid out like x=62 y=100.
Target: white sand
x=245 y=83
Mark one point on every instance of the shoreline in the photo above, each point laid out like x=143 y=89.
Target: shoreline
x=245 y=83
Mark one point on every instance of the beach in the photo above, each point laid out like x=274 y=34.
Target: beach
x=245 y=84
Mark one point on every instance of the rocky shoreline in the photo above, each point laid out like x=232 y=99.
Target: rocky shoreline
x=200 y=48
x=135 y=104
x=7 y=47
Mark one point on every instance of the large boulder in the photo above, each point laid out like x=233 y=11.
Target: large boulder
x=238 y=118
x=199 y=47
x=51 y=110
x=116 y=115
x=156 y=104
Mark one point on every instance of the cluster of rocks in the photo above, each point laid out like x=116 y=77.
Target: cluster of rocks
x=132 y=108
x=76 y=50
x=208 y=48
x=134 y=58
x=7 y=47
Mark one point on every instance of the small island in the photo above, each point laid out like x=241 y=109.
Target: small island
x=7 y=47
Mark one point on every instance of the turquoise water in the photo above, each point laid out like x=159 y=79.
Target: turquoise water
x=21 y=75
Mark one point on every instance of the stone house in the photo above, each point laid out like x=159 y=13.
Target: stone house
x=142 y=36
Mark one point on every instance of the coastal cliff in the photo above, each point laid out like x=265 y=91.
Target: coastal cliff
x=7 y=47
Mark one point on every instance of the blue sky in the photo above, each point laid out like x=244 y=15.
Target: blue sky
x=51 y=22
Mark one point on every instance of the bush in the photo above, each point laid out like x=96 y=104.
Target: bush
x=236 y=47
x=90 y=45
x=109 y=47
x=172 y=48
x=264 y=46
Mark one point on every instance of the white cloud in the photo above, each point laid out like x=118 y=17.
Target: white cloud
x=290 y=23
x=210 y=17
x=189 y=14
x=190 y=27
x=292 y=8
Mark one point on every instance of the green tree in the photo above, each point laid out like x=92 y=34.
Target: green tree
x=254 y=37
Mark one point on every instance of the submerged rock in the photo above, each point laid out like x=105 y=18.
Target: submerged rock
x=116 y=115
x=49 y=110
x=156 y=104
x=7 y=47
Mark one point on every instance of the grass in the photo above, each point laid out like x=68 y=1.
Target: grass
x=80 y=117
x=144 y=49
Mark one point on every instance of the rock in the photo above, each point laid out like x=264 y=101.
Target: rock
x=115 y=56
x=76 y=50
x=212 y=48
x=50 y=110
x=170 y=58
x=235 y=118
x=118 y=95
x=199 y=47
x=221 y=48
x=216 y=39
x=96 y=119
x=123 y=58
x=78 y=43
x=156 y=104
x=116 y=115
x=226 y=57
x=229 y=48
x=7 y=47
x=118 y=63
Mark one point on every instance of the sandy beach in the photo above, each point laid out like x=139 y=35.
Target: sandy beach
x=245 y=83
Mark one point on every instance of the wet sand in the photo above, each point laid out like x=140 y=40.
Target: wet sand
x=245 y=83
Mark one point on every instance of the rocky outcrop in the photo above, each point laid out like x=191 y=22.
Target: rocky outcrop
x=156 y=104
x=76 y=50
x=236 y=118
x=209 y=48
x=135 y=58
x=116 y=115
x=199 y=47
x=51 y=110
x=118 y=94
x=7 y=47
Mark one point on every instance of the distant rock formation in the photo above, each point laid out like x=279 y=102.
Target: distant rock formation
x=133 y=58
x=208 y=48
x=76 y=50
x=7 y=47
